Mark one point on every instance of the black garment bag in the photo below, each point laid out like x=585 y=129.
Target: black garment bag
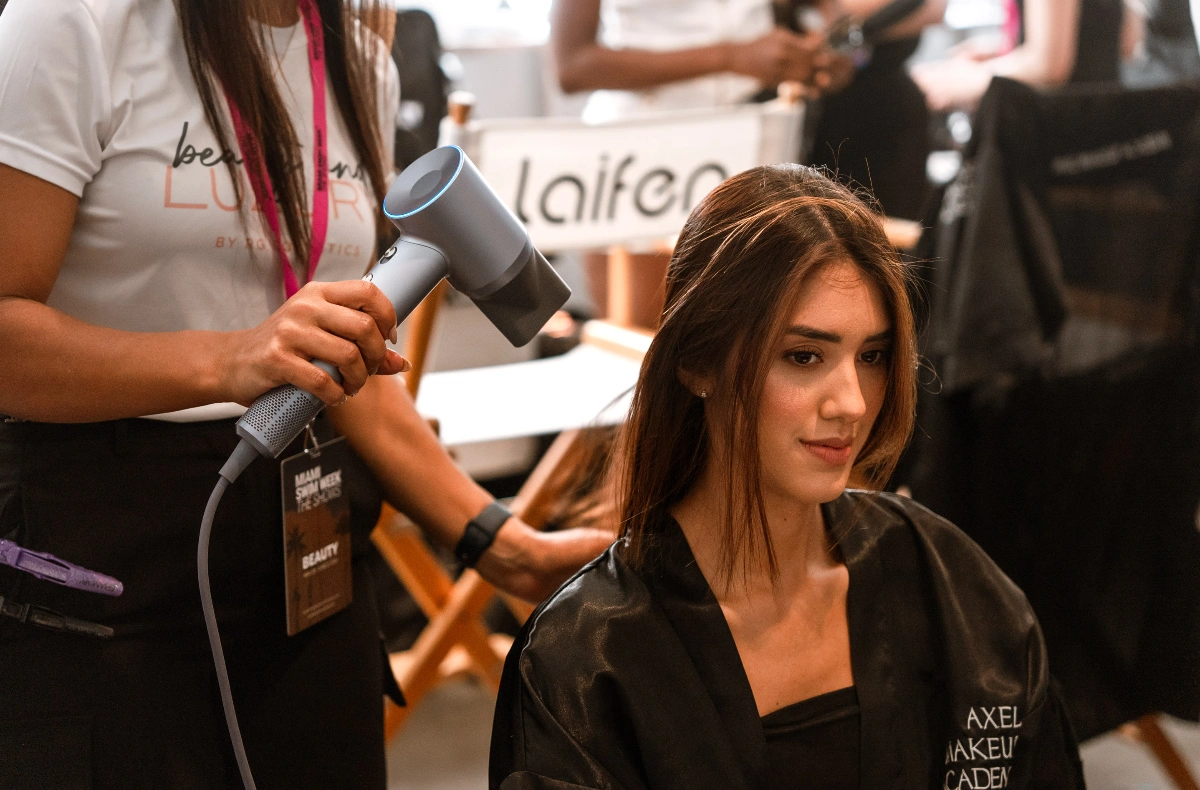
x=1063 y=432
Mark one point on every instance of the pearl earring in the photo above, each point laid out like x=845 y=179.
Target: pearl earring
x=703 y=393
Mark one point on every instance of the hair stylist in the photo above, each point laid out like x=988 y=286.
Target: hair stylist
x=139 y=140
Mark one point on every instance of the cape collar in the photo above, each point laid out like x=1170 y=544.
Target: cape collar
x=684 y=594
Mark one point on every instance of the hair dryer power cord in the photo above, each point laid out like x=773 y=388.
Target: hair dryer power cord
x=233 y=468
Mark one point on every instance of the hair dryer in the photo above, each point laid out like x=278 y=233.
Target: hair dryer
x=455 y=227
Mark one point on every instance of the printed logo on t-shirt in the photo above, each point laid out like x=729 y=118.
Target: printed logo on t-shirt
x=198 y=180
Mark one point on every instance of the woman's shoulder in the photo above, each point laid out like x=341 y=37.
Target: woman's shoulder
x=880 y=512
x=882 y=522
x=85 y=40
x=605 y=591
x=603 y=620
x=931 y=572
x=69 y=17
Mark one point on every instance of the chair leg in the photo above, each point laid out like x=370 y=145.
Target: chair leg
x=455 y=638
x=1168 y=757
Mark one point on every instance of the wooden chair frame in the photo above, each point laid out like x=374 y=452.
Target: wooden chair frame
x=456 y=641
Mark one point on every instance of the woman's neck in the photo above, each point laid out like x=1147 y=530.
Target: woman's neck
x=277 y=13
x=797 y=530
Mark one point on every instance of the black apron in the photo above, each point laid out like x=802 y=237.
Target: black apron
x=142 y=710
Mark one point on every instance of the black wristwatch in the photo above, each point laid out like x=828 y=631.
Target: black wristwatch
x=480 y=533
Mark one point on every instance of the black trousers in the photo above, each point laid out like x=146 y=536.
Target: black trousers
x=142 y=710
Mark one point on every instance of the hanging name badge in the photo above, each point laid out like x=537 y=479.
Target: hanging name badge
x=316 y=533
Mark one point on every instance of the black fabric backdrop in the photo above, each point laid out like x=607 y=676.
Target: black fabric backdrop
x=1063 y=432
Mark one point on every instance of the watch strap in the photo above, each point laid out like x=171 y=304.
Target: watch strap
x=480 y=532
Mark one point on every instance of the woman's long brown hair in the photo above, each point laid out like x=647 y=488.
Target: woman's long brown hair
x=227 y=56
x=741 y=260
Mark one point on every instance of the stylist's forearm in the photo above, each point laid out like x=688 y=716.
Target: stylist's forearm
x=596 y=67
x=414 y=471
x=60 y=369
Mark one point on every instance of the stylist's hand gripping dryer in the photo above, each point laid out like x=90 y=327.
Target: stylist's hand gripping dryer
x=454 y=226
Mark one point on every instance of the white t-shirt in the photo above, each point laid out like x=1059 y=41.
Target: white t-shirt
x=97 y=98
x=666 y=25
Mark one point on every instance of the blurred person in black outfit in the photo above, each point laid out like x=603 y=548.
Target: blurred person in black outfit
x=875 y=130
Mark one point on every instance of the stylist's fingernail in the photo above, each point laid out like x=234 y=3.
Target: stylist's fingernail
x=395 y=335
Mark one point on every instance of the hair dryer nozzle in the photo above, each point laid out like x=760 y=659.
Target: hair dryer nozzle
x=523 y=305
x=443 y=199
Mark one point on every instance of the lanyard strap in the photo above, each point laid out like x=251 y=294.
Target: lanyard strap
x=256 y=167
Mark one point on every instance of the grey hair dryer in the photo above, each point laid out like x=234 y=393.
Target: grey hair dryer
x=454 y=226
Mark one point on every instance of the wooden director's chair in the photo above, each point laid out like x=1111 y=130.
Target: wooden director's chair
x=456 y=642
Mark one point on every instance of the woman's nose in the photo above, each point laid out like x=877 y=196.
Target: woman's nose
x=843 y=397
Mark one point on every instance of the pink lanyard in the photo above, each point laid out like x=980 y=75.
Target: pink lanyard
x=260 y=182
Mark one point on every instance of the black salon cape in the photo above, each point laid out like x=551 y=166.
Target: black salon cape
x=632 y=680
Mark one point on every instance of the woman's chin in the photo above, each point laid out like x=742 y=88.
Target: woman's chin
x=817 y=487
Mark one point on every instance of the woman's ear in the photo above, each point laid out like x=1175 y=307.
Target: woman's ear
x=698 y=384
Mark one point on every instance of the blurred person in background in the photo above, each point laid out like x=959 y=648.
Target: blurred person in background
x=1160 y=43
x=647 y=55
x=875 y=130
x=655 y=55
x=1049 y=43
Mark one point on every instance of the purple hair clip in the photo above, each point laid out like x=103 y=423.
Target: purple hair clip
x=52 y=569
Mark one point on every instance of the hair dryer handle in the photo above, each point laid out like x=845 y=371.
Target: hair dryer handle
x=406 y=273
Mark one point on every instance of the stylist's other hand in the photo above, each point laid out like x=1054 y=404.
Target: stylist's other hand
x=833 y=77
x=344 y=323
x=955 y=83
x=530 y=564
x=779 y=56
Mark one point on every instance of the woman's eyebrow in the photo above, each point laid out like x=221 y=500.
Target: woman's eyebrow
x=832 y=337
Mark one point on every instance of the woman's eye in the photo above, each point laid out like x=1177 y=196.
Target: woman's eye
x=804 y=357
x=875 y=357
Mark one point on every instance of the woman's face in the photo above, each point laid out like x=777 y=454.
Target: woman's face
x=825 y=385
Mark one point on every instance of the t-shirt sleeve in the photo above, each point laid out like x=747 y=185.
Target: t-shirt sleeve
x=54 y=89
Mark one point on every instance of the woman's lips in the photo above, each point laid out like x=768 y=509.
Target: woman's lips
x=835 y=453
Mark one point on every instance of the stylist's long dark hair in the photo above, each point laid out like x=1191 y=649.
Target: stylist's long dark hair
x=742 y=258
x=227 y=54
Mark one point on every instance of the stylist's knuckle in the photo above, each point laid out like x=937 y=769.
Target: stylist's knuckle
x=277 y=350
x=348 y=355
x=364 y=326
x=318 y=381
x=302 y=310
x=290 y=332
x=367 y=292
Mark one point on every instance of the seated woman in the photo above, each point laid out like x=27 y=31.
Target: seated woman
x=758 y=624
